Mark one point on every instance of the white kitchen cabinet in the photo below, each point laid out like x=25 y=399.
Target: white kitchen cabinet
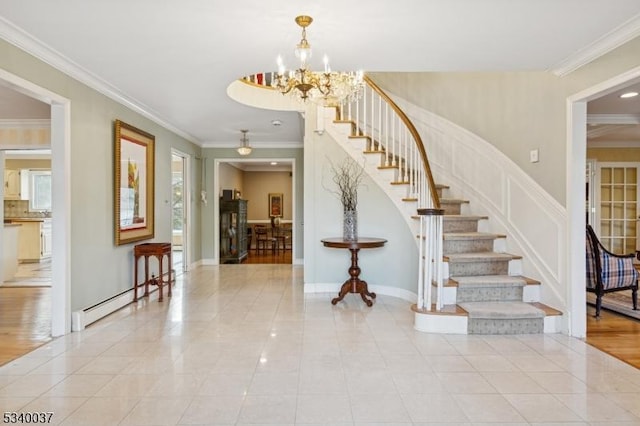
x=11 y=184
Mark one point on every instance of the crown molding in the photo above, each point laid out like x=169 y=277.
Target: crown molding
x=25 y=41
x=25 y=123
x=613 y=39
x=613 y=118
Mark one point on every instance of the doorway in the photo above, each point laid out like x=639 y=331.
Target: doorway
x=179 y=211
x=60 y=200
x=257 y=180
x=576 y=169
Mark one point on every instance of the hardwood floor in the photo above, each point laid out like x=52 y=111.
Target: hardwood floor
x=25 y=320
x=269 y=257
x=614 y=334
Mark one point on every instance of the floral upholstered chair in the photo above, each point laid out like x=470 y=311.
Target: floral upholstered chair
x=607 y=272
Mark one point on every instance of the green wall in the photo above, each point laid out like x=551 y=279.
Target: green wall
x=99 y=269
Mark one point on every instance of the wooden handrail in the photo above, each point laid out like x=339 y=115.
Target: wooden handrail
x=416 y=137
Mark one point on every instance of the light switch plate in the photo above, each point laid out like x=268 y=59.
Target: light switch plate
x=533 y=156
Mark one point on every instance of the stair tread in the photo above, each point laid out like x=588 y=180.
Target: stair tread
x=457 y=236
x=489 y=280
x=548 y=310
x=454 y=217
x=453 y=201
x=479 y=256
x=501 y=310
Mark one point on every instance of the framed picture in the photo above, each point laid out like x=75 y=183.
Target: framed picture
x=134 y=184
x=275 y=205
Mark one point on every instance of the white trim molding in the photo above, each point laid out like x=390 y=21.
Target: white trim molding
x=616 y=38
x=35 y=47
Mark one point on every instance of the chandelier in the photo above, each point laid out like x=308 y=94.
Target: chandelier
x=327 y=87
x=244 y=148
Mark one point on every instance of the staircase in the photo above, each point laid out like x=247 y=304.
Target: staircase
x=484 y=282
x=477 y=287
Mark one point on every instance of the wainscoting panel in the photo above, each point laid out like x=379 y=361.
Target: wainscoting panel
x=535 y=223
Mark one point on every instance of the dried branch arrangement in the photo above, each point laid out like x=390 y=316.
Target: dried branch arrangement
x=347 y=176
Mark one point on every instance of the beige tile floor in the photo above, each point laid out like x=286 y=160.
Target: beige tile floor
x=242 y=344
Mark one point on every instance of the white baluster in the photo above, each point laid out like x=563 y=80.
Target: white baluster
x=421 y=236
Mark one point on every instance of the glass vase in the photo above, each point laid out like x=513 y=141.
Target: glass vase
x=350 y=225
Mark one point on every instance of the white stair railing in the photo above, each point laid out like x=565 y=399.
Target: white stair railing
x=390 y=132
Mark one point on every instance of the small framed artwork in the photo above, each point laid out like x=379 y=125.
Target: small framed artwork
x=275 y=205
x=133 y=184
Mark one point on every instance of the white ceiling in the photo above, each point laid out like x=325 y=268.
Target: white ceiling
x=175 y=59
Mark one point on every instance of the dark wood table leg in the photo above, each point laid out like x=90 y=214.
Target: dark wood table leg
x=170 y=266
x=159 y=282
x=355 y=284
x=135 y=279
x=146 y=276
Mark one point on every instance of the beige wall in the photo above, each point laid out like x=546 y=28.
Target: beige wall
x=230 y=178
x=27 y=164
x=614 y=154
x=258 y=186
x=514 y=111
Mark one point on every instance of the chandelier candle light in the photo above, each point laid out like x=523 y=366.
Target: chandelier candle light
x=328 y=88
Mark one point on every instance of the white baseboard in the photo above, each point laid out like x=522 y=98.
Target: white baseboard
x=437 y=323
x=82 y=318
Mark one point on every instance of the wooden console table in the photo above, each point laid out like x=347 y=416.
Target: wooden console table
x=159 y=250
x=354 y=284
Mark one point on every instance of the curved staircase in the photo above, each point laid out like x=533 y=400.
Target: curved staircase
x=484 y=282
x=477 y=287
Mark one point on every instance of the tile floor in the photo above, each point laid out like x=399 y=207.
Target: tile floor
x=242 y=344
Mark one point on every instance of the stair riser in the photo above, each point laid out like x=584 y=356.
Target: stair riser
x=467 y=246
x=506 y=326
x=465 y=269
x=451 y=208
x=489 y=294
x=460 y=225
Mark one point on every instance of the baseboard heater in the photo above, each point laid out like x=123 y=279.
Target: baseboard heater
x=83 y=318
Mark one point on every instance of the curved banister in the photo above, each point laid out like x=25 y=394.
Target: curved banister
x=416 y=137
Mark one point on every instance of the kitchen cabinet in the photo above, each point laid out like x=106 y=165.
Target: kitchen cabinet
x=233 y=231
x=45 y=239
x=34 y=239
x=11 y=184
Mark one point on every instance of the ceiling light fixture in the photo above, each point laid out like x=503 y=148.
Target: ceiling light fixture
x=629 y=95
x=244 y=148
x=327 y=87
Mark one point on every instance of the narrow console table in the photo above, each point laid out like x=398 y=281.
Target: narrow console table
x=354 y=284
x=159 y=250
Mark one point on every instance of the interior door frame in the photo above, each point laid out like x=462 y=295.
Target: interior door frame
x=187 y=199
x=60 y=196
x=576 y=149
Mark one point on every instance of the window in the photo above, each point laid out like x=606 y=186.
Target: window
x=40 y=190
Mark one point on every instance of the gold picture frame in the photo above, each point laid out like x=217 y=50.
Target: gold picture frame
x=133 y=184
x=276 y=205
